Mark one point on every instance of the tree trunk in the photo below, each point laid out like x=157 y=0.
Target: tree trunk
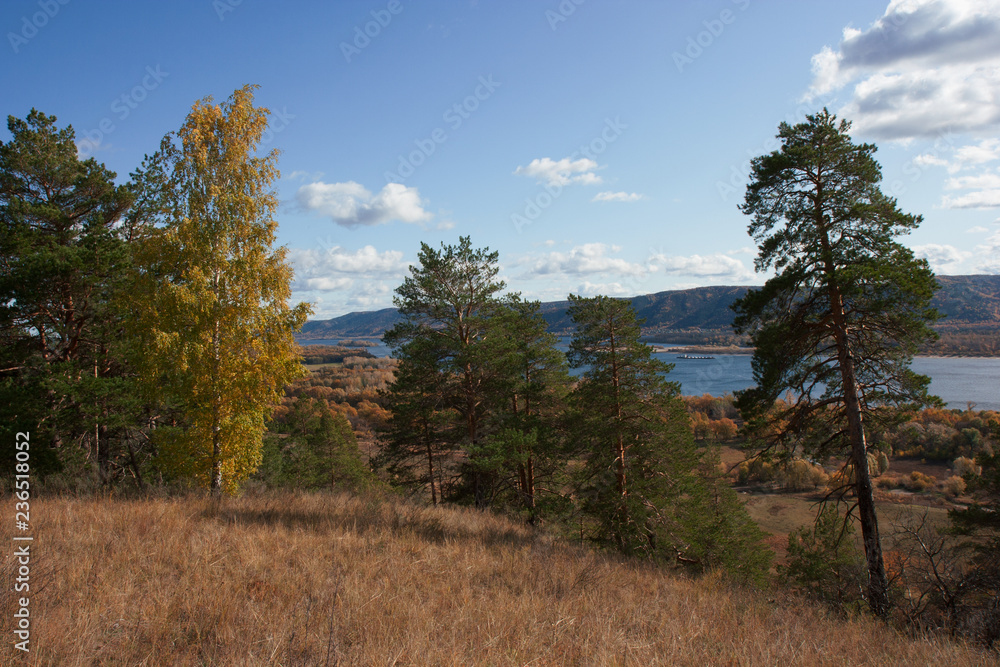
x=216 y=488
x=531 y=489
x=216 y=485
x=878 y=581
x=135 y=465
x=103 y=454
x=430 y=465
x=478 y=487
x=619 y=441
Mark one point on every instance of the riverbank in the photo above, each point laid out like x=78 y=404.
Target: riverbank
x=700 y=349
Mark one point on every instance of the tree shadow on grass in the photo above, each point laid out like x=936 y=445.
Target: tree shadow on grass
x=365 y=516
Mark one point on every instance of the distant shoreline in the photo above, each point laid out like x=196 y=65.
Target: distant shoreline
x=665 y=348
x=734 y=350
x=701 y=349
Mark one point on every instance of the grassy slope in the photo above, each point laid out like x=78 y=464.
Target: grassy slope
x=303 y=579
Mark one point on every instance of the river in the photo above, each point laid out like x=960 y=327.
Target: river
x=957 y=380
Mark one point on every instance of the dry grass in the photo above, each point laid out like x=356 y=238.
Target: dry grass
x=316 y=580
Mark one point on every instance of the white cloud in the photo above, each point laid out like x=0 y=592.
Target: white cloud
x=717 y=266
x=978 y=229
x=981 y=199
x=590 y=258
x=587 y=288
x=561 y=172
x=351 y=205
x=337 y=280
x=989 y=255
x=86 y=148
x=942 y=258
x=964 y=162
x=928 y=160
x=325 y=284
x=336 y=268
x=927 y=103
x=924 y=69
x=299 y=175
x=985 y=151
x=985 y=180
x=617 y=196
x=371 y=296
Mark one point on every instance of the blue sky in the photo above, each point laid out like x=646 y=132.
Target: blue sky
x=600 y=146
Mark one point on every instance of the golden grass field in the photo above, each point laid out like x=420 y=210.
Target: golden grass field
x=336 y=579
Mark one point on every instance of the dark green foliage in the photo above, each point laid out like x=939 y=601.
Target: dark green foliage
x=63 y=255
x=837 y=238
x=447 y=301
x=980 y=615
x=527 y=387
x=423 y=428
x=628 y=425
x=823 y=560
x=643 y=483
x=718 y=530
x=313 y=448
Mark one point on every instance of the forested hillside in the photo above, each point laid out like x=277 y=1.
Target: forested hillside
x=969 y=302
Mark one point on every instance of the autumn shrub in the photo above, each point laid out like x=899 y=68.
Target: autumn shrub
x=755 y=470
x=938 y=434
x=954 y=486
x=965 y=467
x=841 y=479
x=918 y=481
x=889 y=481
x=723 y=429
x=801 y=475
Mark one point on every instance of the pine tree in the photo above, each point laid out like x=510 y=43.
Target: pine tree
x=980 y=588
x=528 y=384
x=446 y=302
x=420 y=433
x=643 y=481
x=312 y=448
x=839 y=323
x=211 y=323
x=63 y=252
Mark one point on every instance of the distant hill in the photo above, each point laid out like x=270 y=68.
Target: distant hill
x=966 y=301
x=353 y=325
x=969 y=300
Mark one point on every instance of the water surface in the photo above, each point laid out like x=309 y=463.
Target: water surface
x=957 y=380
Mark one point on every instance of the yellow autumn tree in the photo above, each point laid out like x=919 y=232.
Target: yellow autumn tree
x=211 y=323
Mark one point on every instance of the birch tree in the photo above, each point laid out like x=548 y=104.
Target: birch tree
x=212 y=325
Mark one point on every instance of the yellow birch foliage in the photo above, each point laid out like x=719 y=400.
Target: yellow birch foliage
x=211 y=309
